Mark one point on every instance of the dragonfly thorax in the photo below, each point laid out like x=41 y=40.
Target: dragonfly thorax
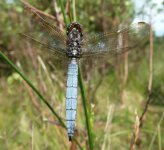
x=74 y=40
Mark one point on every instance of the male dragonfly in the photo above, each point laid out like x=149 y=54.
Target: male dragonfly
x=73 y=46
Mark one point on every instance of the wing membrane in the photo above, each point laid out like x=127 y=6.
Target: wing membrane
x=45 y=34
x=57 y=51
x=118 y=41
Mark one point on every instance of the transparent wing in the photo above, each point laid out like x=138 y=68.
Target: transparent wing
x=45 y=34
x=45 y=45
x=117 y=42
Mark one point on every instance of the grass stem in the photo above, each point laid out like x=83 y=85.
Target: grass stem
x=87 y=116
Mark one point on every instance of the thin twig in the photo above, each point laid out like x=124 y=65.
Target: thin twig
x=60 y=22
x=32 y=137
x=73 y=144
x=38 y=11
x=35 y=103
x=135 y=140
x=29 y=91
x=52 y=122
x=150 y=77
x=107 y=126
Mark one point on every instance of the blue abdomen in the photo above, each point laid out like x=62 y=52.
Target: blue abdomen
x=71 y=96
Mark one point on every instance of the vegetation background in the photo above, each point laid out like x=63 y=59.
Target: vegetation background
x=125 y=98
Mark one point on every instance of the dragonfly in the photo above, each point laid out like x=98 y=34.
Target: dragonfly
x=74 y=46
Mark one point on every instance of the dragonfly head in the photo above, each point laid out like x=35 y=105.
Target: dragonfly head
x=74 y=31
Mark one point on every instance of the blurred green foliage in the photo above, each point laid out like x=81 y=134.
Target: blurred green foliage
x=112 y=104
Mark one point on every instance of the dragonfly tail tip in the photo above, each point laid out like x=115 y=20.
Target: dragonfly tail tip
x=70 y=138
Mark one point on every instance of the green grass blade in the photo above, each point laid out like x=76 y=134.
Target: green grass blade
x=33 y=88
x=159 y=137
x=60 y=2
x=37 y=92
x=87 y=116
x=74 y=11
